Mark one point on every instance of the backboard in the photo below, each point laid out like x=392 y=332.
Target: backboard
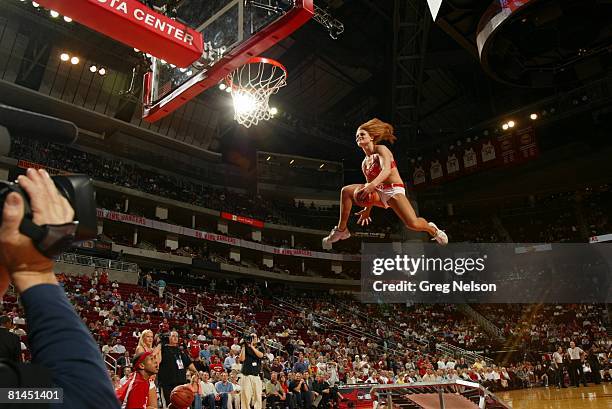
x=233 y=31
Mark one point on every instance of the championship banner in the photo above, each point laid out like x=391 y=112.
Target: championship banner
x=507 y=149
x=132 y=23
x=242 y=219
x=527 y=145
x=219 y=238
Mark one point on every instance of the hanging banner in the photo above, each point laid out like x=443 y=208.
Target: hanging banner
x=219 y=238
x=527 y=146
x=132 y=23
x=242 y=219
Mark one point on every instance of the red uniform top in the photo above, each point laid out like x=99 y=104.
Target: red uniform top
x=134 y=394
x=374 y=170
x=217 y=367
x=194 y=349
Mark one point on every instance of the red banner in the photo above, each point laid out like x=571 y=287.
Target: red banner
x=527 y=146
x=507 y=148
x=24 y=164
x=242 y=219
x=132 y=23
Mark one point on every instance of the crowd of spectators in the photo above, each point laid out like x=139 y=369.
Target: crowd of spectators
x=323 y=337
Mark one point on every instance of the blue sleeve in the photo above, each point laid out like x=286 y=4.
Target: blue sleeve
x=60 y=342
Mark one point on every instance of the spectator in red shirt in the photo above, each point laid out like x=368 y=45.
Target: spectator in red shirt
x=194 y=348
x=216 y=366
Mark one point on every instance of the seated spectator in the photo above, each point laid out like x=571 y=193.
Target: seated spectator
x=209 y=393
x=224 y=389
x=275 y=394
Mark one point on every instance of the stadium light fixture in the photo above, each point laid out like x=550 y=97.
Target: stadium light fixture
x=505 y=127
x=533 y=116
x=74 y=60
x=67 y=19
x=268 y=158
x=322 y=165
x=54 y=13
x=273 y=111
x=292 y=161
x=511 y=124
x=64 y=57
x=93 y=68
x=102 y=71
x=35 y=4
x=222 y=86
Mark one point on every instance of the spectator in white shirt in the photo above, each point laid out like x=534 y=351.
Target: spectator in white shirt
x=118 y=348
x=209 y=393
x=126 y=374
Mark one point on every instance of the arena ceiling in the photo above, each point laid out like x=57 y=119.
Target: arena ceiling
x=335 y=84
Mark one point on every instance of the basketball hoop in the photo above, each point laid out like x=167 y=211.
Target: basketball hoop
x=251 y=86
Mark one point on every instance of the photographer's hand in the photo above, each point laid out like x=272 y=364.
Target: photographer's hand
x=19 y=259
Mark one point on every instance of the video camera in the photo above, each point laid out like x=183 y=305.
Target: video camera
x=50 y=240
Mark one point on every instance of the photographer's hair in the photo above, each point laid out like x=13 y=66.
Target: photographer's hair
x=379 y=130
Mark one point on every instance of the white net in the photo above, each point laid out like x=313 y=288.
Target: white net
x=251 y=86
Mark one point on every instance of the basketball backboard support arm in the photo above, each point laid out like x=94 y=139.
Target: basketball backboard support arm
x=132 y=23
x=234 y=31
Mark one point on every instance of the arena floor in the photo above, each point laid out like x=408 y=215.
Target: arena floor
x=591 y=397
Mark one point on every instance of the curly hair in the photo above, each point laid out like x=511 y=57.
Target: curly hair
x=379 y=130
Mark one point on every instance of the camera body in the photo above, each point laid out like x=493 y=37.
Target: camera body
x=79 y=191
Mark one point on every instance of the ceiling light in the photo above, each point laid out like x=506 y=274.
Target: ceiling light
x=64 y=57
x=67 y=19
x=511 y=124
x=291 y=161
x=533 y=116
x=93 y=68
x=273 y=111
x=54 y=14
x=136 y=50
x=269 y=157
x=102 y=71
x=222 y=86
x=228 y=89
x=74 y=60
x=505 y=127
x=35 y=4
x=321 y=167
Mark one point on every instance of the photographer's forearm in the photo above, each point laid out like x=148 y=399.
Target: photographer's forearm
x=60 y=342
x=257 y=352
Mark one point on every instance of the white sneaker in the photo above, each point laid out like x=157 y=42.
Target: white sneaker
x=336 y=235
x=440 y=236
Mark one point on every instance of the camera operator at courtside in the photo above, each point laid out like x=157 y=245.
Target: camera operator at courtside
x=250 y=382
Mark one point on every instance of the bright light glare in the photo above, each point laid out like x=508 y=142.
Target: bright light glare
x=273 y=111
x=93 y=68
x=74 y=60
x=222 y=86
x=533 y=116
x=64 y=57
x=505 y=127
x=54 y=14
x=67 y=19
x=244 y=103
x=511 y=124
x=102 y=71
